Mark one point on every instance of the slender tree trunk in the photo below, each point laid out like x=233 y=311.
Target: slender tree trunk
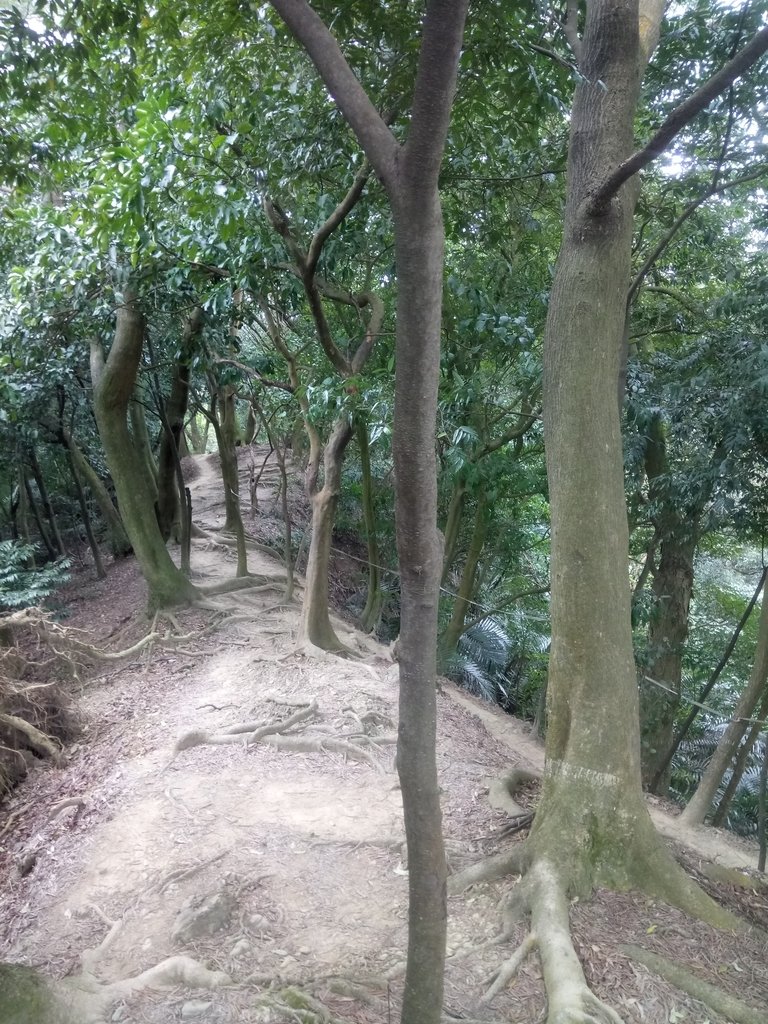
x=172 y=417
x=23 y=509
x=667 y=633
x=373 y=603
x=249 y=432
x=410 y=173
x=280 y=455
x=198 y=438
x=86 y=517
x=745 y=749
x=455 y=627
x=452 y=526
x=224 y=428
x=419 y=260
x=31 y=505
x=121 y=546
x=45 y=498
x=710 y=683
x=141 y=440
x=315 y=624
x=661 y=686
x=701 y=801
x=113 y=382
x=762 y=808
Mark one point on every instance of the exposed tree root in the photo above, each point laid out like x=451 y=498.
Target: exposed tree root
x=511 y=862
x=569 y=997
x=283 y=735
x=502 y=791
x=508 y=971
x=34 y=738
x=715 y=998
x=254 y=584
x=223 y=540
x=88 y=1001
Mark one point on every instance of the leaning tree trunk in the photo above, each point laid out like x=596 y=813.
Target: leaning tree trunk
x=86 y=517
x=740 y=764
x=315 y=626
x=113 y=383
x=46 y=500
x=120 y=544
x=463 y=599
x=701 y=801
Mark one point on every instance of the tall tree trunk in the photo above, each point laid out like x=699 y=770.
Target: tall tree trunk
x=224 y=427
x=592 y=825
x=661 y=686
x=113 y=384
x=705 y=691
x=315 y=625
x=45 y=498
x=455 y=627
x=374 y=598
x=419 y=261
x=452 y=526
x=23 y=509
x=120 y=544
x=86 y=517
x=50 y=546
x=739 y=767
x=172 y=417
x=667 y=633
x=701 y=801
x=140 y=432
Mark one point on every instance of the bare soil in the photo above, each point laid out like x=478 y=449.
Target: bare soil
x=304 y=849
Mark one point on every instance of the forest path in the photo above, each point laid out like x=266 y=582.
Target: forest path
x=277 y=866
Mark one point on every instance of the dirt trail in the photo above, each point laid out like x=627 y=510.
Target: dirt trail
x=295 y=857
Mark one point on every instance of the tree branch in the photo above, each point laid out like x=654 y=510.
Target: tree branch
x=678 y=119
x=280 y=223
x=377 y=140
x=571 y=29
x=435 y=86
x=372 y=332
x=688 y=212
x=325 y=230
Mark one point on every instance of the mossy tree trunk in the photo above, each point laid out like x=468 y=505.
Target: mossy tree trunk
x=172 y=416
x=121 y=545
x=86 y=517
x=140 y=434
x=174 y=511
x=662 y=675
x=113 y=384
